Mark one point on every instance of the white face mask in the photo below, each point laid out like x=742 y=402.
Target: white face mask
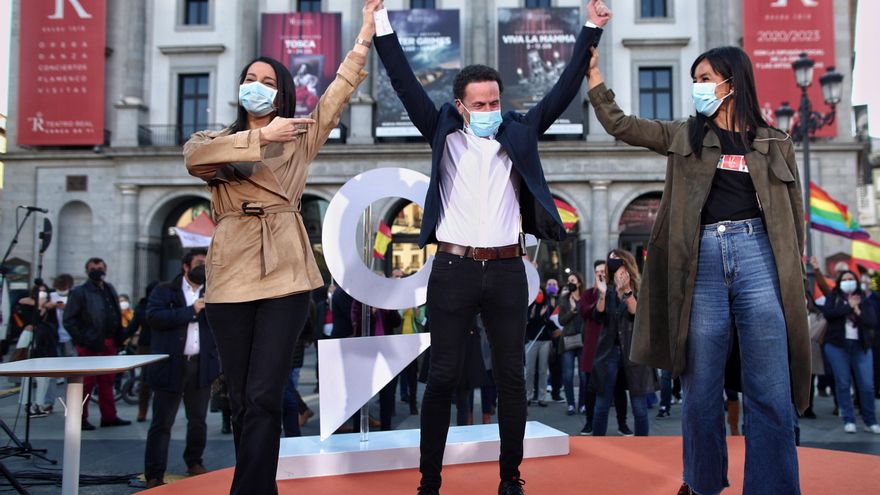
x=124 y=305
x=848 y=286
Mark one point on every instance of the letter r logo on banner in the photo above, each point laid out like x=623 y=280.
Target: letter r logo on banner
x=59 y=10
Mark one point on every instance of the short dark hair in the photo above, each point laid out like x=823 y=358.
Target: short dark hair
x=285 y=100
x=473 y=74
x=63 y=281
x=192 y=253
x=597 y=263
x=95 y=261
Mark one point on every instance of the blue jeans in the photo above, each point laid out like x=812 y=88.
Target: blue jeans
x=290 y=409
x=665 y=389
x=861 y=362
x=737 y=282
x=606 y=397
x=570 y=359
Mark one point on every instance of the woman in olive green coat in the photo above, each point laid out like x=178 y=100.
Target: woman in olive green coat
x=724 y=265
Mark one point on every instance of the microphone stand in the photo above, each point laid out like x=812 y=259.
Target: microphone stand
x=24 y=448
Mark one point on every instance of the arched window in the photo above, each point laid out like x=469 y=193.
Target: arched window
x=171 y=251
x=636 y=223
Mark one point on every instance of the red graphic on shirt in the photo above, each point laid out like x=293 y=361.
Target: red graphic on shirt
x=734 y=163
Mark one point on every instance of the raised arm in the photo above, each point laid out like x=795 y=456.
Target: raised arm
x=418 y=104
x=348 y=77
x=653 y=134
x=554 y=103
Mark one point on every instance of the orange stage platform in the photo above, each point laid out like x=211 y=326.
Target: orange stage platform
x=610 y=465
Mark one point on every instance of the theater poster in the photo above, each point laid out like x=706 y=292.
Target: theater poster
x=775 y=33
x=431 y=41
x=61 y=73
x=533 y=47
x=310 y=45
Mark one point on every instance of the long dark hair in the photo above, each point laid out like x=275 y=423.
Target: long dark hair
x=731 y=63
x=842 y=294
x=285 y=101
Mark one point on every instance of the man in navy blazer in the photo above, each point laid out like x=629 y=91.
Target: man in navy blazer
x=487 y=188
x=175 y=312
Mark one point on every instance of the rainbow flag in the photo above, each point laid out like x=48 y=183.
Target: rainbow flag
x=831 y=216
x=866 y=253
x=567 y=213
x=383 y=239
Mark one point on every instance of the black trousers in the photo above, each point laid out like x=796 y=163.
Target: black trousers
x=165 y=406
x=459 y=289
x=256 y=341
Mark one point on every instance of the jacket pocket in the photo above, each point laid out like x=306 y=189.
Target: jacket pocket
x=215 y=251
x=780 y=170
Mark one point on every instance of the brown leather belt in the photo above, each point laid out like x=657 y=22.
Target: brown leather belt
x=482 y=253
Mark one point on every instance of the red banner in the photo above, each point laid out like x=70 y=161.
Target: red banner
x=775 y=33
x=61 y=72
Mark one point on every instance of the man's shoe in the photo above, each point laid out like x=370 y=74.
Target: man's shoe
x=427 y=491
x=570 y=411
x=154 y=483
x=875 y=429
x=86 y=426
x=115 y=422
x=685 y=490
x=625 y=431
x=196 y=469
x=662 y=413
x=587 y=430
x=849 y=427
x=809 y=414
x=512 y=487
x=542 y=403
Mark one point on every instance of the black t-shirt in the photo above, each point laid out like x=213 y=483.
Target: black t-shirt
x=733 y=195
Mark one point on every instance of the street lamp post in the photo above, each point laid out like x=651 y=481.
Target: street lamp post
x=808 y=123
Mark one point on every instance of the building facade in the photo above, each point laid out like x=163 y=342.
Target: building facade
x=172 y=66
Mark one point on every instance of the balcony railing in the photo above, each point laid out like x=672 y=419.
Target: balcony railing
x=170 y=135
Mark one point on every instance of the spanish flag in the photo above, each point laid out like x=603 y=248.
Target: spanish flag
x=866 y=253
x=568 y=214
x=383 y=239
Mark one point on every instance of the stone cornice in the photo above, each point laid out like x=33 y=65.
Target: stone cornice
x=376 y=151
x=192 y=49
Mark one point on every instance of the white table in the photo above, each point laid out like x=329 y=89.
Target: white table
x=74 y=369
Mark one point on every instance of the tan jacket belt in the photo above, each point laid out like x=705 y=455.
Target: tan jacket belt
x=268 y=244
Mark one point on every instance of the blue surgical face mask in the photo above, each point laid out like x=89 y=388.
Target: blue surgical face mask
x=705 y=100
x=484 y=124
x=257 y=98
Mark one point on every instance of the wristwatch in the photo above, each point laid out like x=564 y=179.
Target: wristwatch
x=364 y=42
x=628 y=293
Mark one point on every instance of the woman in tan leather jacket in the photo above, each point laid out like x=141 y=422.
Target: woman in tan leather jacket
x=724 y=266
x=260 y=266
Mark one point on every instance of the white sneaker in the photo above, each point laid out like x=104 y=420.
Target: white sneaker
x=849 y=427
x=875 y=429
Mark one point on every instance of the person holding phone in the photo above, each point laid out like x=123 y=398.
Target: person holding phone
x=616 y=309
x=260 y=266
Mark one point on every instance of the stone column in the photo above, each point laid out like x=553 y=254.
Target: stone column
x=600 y=228
x=361 y=130
x=125 y=247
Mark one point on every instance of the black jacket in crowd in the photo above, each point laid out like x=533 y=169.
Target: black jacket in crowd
x=168 y=317
x=92 y=314
x=837 y=309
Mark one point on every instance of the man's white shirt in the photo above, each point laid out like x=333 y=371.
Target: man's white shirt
x=191 y=348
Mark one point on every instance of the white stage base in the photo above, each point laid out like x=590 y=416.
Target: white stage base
x=308 y=457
